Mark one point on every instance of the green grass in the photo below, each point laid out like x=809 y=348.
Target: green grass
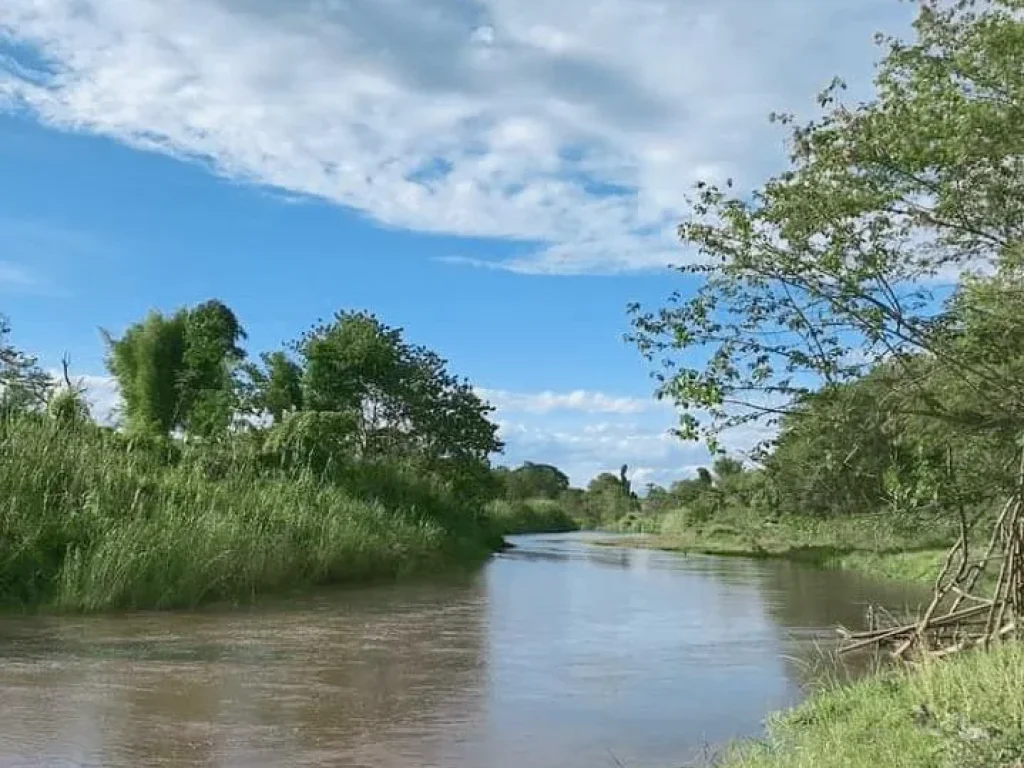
x=88 y=523
x=531 y=516
x=965 y=712
x=873 y=544
x=920 y=566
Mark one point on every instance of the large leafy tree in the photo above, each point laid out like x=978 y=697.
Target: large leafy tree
x=835 y=448
x=855 y=255
x=402 y=399
x=147 y=364
x=535 y=481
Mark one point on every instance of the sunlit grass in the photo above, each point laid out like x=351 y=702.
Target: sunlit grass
x=874 y=544
x=88 y=524
x=966 y=712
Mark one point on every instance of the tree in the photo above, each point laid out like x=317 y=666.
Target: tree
x=605 y=483
x=311 y=440
x=178 y=371
x=607 y=499
x=147 y=362
x=67 y=405
x=726 y=467
x=403 y=399
x=207 y=389
x=275 y=389
x=23 y=385
x=627 y=486
x=535 y=481
x=831 y=267
x=833 y=450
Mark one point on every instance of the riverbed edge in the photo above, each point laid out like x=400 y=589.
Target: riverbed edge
x=964 y=711
x=918 y=566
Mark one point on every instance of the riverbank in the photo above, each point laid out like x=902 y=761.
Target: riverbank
x=873 y=545
x=966 y=712
x=508 y=518
x=93 y=522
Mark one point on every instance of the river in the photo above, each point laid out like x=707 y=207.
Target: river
x=556 y=654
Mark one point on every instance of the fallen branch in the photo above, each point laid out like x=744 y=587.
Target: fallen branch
x=948 y=627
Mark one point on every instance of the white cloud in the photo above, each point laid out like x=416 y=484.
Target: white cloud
x=15 y=276
x=103 y=396
x=571 y=126
x=101 y=393
x=578 y=400
x=586 y=433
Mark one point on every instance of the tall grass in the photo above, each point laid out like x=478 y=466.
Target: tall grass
x=530 y=516
x=89 y=522
x=885 y=545
x=967 y=712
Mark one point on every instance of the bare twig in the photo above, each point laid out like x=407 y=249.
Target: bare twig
x=953 y=628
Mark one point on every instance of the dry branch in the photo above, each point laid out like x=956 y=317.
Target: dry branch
x=945 y=627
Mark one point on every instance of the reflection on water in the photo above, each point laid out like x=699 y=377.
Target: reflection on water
x=557 y=653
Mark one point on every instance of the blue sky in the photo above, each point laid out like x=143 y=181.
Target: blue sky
x=499 y=177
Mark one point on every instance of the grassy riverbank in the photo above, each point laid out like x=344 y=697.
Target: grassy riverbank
x=966 y=712
x=91 y=522
x=874 y=544
x=530 y=516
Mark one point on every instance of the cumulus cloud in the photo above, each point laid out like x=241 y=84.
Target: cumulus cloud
x=103 y=396
x=101 y=393
x=578 y=400
x=573 y=127
x=586 y=433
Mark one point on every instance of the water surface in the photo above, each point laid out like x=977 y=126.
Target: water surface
x=556 y=654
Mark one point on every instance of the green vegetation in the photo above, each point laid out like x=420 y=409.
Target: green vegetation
x=353 y=455
x=860 y=316
x=532 y=481
x=966 y=712
x=542 y=492
x=96 y=521
x=529 y=516
x=863 y=309
x=869 y=546
x=23 y=385
x=730 y=511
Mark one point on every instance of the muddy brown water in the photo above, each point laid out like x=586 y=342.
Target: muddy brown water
x=555 y=654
